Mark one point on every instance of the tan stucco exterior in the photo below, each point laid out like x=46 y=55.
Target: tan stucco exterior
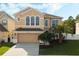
x=11 y=25
x=3 y=36
x=22 y=18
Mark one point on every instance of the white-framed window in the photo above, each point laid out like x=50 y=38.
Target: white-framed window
x=32 y=20
x=37 y=20
x=46 y=22
x=54 y=22
x=4 y=22
x=27 y=20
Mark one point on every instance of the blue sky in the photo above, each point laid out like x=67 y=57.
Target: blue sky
x=60 y=9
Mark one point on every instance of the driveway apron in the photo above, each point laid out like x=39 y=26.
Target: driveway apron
x=23 y=49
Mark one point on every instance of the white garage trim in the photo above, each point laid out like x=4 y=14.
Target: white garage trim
x=28 y=31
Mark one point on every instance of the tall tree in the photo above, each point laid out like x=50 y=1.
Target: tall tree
x=77 y=17
x=69 y=25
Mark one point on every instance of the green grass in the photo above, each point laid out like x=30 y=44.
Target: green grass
x=4 y=47
x=67 y=48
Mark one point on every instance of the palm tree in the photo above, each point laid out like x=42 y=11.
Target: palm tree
x=60 y=31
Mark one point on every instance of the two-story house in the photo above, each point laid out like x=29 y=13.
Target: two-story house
x=31 y=22
x=7 y=26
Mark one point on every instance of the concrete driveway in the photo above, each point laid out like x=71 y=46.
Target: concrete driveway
x=23 y=49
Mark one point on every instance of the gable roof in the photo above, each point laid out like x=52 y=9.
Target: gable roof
x=52 y=16
x=2 y=29
x=45 y=14
x=28 y=9
x=2 y=13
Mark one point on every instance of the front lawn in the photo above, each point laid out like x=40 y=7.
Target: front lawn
x=4 y=47
x=67 y=48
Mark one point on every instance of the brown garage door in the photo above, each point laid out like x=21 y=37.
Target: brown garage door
x=27 y=37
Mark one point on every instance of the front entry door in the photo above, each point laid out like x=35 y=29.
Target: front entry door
x=8 y=39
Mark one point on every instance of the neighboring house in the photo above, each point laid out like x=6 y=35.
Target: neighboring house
x=30 y=23
x=77 y=27
x=8 y=23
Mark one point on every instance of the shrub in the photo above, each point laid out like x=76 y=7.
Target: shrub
x=45 y=37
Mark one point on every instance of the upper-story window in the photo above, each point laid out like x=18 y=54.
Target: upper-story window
x=32 y=20
x=18 y=19
x=46 y=22
x=4 y=22
x=54 y=22
x=37 y=20
x=27 y=20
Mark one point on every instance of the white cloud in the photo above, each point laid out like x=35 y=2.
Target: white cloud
x=53 y=7
x=56 y=6
x=2 y=6
x=12 y=8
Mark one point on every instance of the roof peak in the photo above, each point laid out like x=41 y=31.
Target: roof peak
x=2 y=12
x=27 y=8
x=44 y=13
x=30 y=7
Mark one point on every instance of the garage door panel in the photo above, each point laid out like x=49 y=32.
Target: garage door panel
x=27 y=37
